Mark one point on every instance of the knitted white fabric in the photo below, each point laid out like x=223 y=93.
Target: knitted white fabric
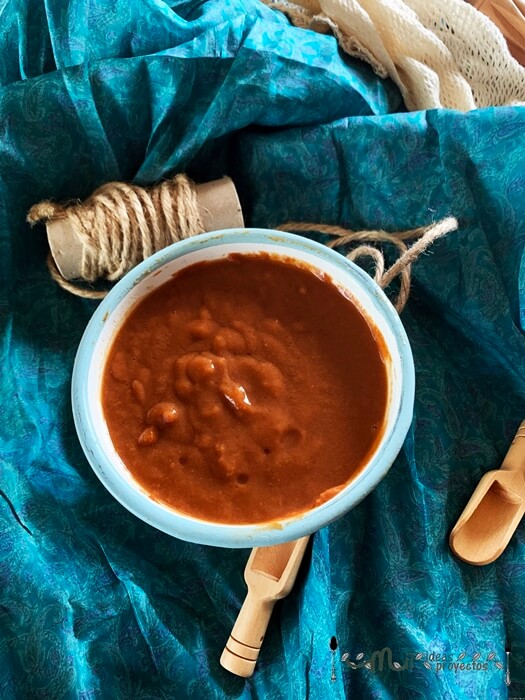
x=440 y=53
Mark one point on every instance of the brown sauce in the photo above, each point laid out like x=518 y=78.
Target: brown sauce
x=245 y=390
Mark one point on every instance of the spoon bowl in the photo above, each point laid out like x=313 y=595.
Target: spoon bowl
x=494 y=510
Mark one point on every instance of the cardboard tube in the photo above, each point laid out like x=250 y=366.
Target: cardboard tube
x=219 y=208
x=219 y=205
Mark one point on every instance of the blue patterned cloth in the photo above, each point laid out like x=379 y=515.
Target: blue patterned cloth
x=93 y=602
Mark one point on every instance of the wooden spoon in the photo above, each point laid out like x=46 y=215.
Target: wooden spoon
x=494 y=510
x=270 y=575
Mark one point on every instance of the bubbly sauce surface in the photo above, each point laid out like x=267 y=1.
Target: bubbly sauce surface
x=245 y=390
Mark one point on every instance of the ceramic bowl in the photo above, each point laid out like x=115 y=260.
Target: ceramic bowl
x=100 y=332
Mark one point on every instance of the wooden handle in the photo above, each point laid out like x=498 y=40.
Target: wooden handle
x=515 y=457
x=242 y=649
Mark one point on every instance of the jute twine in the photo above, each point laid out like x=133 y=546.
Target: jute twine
x=423 y=236
x=120 y=225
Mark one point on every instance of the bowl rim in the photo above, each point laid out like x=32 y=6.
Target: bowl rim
x=220 y=534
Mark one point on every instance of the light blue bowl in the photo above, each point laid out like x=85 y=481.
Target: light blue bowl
x=90 y=360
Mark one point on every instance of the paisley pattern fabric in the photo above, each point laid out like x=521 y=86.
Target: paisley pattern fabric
x=93 y=602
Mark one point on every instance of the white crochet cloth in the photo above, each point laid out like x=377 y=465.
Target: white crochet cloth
x=440 y=53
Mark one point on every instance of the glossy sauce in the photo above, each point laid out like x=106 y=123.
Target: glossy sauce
x=245 y=390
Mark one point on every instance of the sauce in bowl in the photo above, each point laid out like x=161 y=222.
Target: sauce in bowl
x=245 y=389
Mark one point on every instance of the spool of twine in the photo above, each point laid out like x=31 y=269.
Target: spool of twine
x=120 y=225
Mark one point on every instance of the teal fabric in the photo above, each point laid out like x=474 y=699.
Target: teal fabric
x=93 y=602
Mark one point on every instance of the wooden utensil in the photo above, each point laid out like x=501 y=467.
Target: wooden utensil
x=494 y=510
x=270 y=575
